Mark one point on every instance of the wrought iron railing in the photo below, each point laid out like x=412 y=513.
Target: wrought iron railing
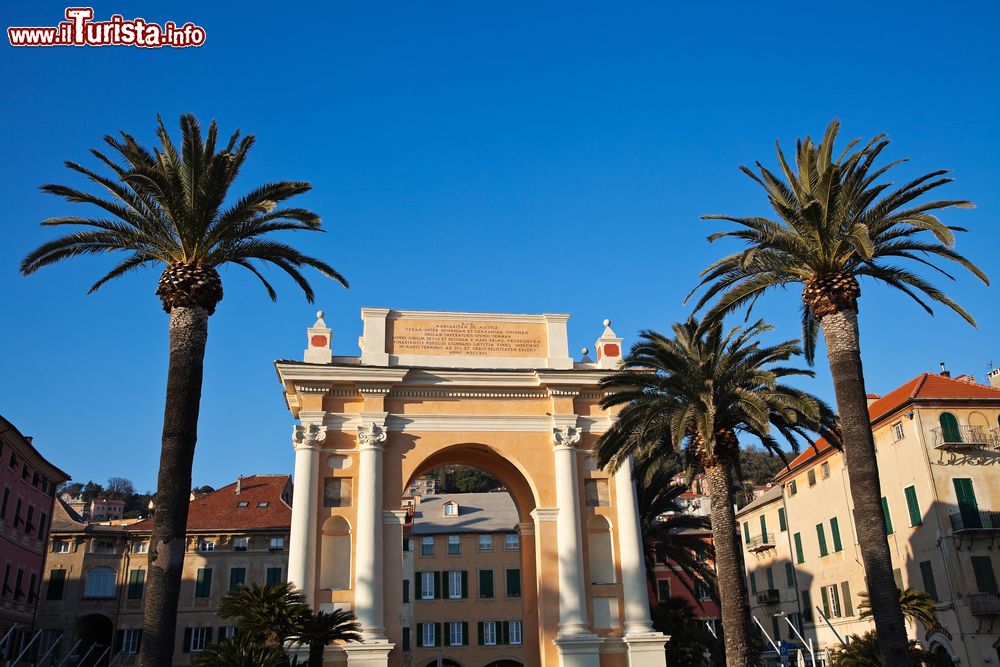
x=975 y=520
x=958 y=437
x=984 y=604
x=768 y=596
x=761 y=542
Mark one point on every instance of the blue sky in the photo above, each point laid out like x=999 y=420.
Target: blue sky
x=516 y=157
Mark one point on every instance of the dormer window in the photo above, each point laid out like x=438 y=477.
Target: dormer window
x=263 y=503
x=243 y=503
x=451 y=508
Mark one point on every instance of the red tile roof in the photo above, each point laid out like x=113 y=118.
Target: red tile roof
x=924 y=387
x=220 y=510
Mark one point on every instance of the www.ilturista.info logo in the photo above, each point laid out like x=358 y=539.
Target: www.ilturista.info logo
x=81 y=30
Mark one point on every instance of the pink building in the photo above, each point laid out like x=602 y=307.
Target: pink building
x=27 y=484
x=102 y=509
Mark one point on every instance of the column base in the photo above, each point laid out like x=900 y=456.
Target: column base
x=581 y=650
x=368 y=653
x=647 y=649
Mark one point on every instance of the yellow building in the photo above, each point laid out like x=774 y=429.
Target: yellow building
x=938 y=445
x=497 y=392
x=95 y=573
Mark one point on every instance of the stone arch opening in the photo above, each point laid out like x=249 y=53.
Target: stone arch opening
x=93 y=630
x=335 y=554
x=601 y=551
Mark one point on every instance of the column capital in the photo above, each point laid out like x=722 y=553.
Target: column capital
x=371 y=436
x=394 y=517
x=308 y=436
x=545 y=513
x=565 y=437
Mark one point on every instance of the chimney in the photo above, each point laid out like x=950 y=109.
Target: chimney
x=944 y=372
x=608 y=348
x=239 y=484
x=872 y=398
x=994 y=377
x=319 y=339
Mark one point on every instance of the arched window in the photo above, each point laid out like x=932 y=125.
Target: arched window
x=100 y=583
x=601 y=552
x=335 y=554
x=949 y=427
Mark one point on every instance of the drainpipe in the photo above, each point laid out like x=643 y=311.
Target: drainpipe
x=791 y=552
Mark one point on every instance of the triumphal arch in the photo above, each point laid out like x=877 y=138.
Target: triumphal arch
x=498 y=392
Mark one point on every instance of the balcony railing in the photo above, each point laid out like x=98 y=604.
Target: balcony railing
x=966 y=437
x=768 y=596
x=761 y=542
x=984 y=604
x=977 y=520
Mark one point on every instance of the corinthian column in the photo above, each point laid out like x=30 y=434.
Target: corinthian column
x=368 y=561
x=308 y=440
x=572 y=586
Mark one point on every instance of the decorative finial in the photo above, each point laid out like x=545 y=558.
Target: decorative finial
x=319 y=314
x=584 y=351
x=607 y=323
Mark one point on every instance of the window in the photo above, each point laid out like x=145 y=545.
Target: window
x=753 y=582
x=17 y=585
x=17 y=513
x=763 y=527
x=428 y=634
x=775 y=629
x=60 y=547
x=455 y=579
x=128 y=642
x=104 y=546
x=227 y=632
x=824 y=469
x=337 y=492
x=29 y=524
x=513 y=582
x=835 y=533
x=662 y=589
x=821 y=538
x=427 y=546
x=811 y=476
x=702 y=591
x=41 y=525
x=100 y=583
x=782 y=522
x=406 y=639
x=596 y=492
x=793 y=488
x=807 y=608
x=3 y=507
x=514 y=632
x=241 y=543
x=276 y=544
x=243 y=503
x=949 y=428
x=489 y=633
x=927 y=574
x=203 y=583
x=746 y=533
x=831 y=601
x=912 y=506
x=897 y=432
x=982 y=567
x=511 y=541
x=237 y=577
x=456 y=634
x=451 y=509
x=140 y=548
x=454 y=545
x=206 y=545
x=273 y=576
x=196 y=639
x=427 y=586
x=799 y=557
x=406 y=590
x=845 y=592
x=57 y=581
x=769 y=572
x=486 y=583
x=136 y=584
x=263 y=503
x=789 y=575
x=486 y=542
x=885 y=513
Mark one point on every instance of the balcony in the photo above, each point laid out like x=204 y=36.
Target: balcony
x=984 y=604
x=761 y=543
x=769 y=596
x=964 y=438
x=979 y=520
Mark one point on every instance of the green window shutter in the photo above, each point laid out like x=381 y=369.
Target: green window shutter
x=826 y=601
x=789 y=575
x=417 y=586
x=986 y=581
x=273 y=576
x=835 y=532
x=187 y=640
x=437 y=585
x=119 y=641
x=504 y=629
x=465 y=585
x=480 y=633
x=845 y=590
x=885 y=513
x=237 y=577
x=821 y=538
x=753 y=583
x=438 y=634
x=763 y=526
x=444 y=584
x=486 y=583
x=136 y=584
x=775 y=629
x=406 y=639
x=57 y=582
x=949 y=428
x=927 y=574
x=514 y=582
x=782 y=524
x=770 y=578
x=799 y=558
x=208 y=636
x=203 y=584
x=968 y=508
x=912 y=506
x=746 y=532
x=807 y=606
x=465 y=633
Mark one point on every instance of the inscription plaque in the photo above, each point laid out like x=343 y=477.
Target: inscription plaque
x=466 y=338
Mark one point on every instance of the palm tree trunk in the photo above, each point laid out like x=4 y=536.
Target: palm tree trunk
x=316 y=654
x=188 y=335
x=840 y=331
x=729 y=566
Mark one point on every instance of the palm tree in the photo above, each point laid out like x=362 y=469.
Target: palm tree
x=915 y=605
x=168 y=207
x=694 y=394
x=272 y=614
x=864 y=651
x=671 y=535
x=316 y=630
x=836 y=223
x=241 y=650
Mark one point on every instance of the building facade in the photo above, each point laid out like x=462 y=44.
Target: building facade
x=28 y=484
x=495 y=392
x=937 y=440
x=95 y=574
